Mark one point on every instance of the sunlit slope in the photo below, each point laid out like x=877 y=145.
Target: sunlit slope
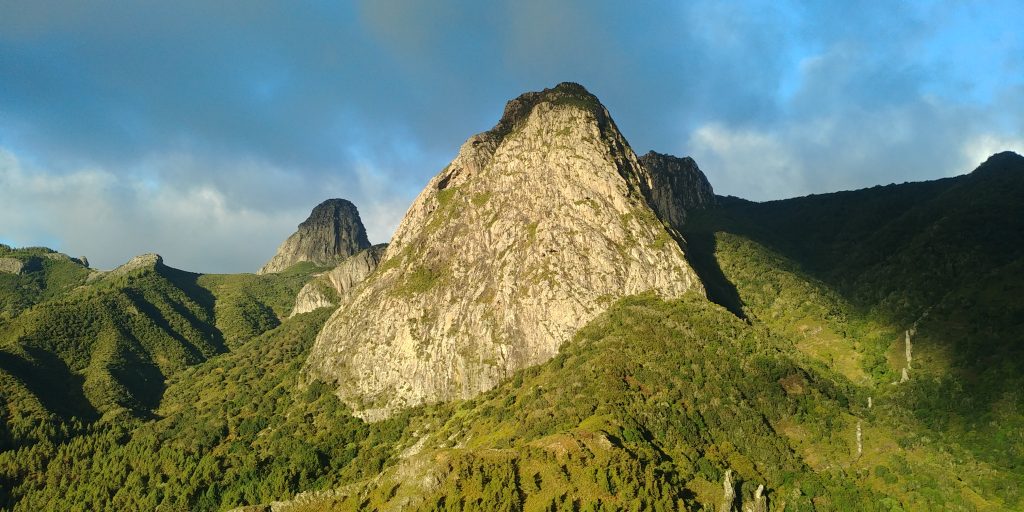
x=107 y=344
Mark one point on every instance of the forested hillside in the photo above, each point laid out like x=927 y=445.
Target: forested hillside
x=157 y=389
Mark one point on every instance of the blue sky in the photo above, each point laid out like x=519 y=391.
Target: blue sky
x=206 y=131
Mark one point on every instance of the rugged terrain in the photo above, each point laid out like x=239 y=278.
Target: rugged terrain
x=535 y=227
x=604 y=334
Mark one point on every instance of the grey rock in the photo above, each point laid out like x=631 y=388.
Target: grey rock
x=675 y=186
x=332 y=233
x=533 y=230
x=326 y=289
x=140 y=262
x=728 y=493
x=759 y=503
x=11 y=265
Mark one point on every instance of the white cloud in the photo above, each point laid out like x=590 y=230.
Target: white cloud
x=978 y=148
x=747 y=163
x=109 y=219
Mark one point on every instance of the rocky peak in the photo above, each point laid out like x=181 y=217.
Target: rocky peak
x=566 y=93
x=148 y=261
x=332 y=233
x=534 y=229
x=674 y=186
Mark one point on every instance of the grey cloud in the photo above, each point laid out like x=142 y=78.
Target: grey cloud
x=259 y=110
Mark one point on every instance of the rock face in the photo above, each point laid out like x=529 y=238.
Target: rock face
x=728 y=493
x=675 y=186
x=11 y=265
x=535 y=228
x=149 y=260
x=328 y=288
x=332 y=233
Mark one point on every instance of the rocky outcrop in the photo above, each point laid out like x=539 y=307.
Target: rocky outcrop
x=332 y=233
x=11 y=265
x=142 y=261
x=728 y=493
x=675 y=186
x=759 y=503
x=326 y=289
x=535 y=228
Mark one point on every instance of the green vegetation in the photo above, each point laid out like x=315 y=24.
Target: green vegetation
x=240 y=428
x=46 y=275
x=167 y=390
x=107 y=347
x=481 y=198
x=419 y=280
x=944 y=256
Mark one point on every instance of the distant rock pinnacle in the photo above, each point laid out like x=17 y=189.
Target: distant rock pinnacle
x=332 y=233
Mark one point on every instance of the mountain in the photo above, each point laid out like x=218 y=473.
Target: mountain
x=332 y=233
x=940 y=259
x=535 y=228
x=89 y=343
x=856 y=350
x=675 y=186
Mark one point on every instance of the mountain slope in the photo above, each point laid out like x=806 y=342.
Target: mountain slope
x=531 y=231
x=648 y=408
x=31 y=275
x=940 y=259
x=109 y=344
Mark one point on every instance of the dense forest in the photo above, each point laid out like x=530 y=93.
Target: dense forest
x=151 y=388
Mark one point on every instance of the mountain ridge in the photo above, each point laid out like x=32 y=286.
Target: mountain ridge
x=711 y=353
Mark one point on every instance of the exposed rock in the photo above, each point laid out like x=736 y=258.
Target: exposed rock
x=11 y=265
x=674 y=186
x=314 y=295
x=728 y=493
x=327 y=288
x=534 y=228
x=56 y=256
x=84 y=261
x=142 y=261
x=908 y=350
x=332 y=233
x=760 y=502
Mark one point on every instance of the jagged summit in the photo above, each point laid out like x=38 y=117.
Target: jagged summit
x=518 y=109
x=332 y=233
x=535 y=228
x=675 y=187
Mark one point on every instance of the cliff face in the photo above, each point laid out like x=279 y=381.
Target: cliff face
x=332 y=233
x=675 y=186
x=536 y=227
x=328 y=288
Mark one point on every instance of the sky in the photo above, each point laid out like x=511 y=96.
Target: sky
x=207 y=130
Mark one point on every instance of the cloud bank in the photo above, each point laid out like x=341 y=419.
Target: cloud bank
x=206 y=131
